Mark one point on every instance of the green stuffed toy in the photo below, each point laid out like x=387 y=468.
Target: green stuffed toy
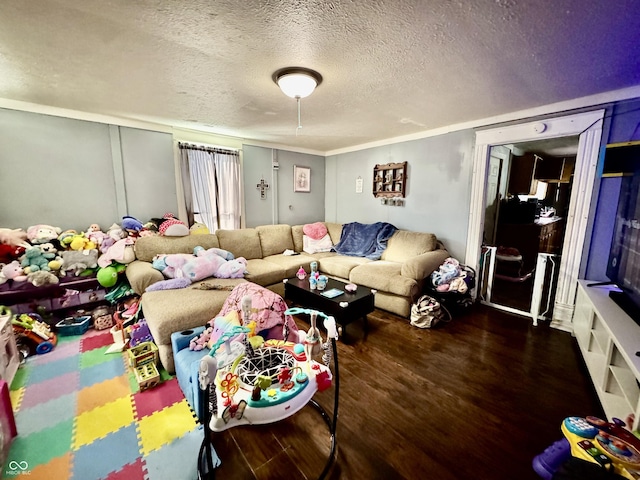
x=35 y=260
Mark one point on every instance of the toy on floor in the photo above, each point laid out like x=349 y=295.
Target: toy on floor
x=266 y=384
x=607 y=444
x=143 y=359
x=269 y=383
x=32 y=334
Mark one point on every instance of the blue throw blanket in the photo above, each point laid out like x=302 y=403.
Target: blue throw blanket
x=364 y=240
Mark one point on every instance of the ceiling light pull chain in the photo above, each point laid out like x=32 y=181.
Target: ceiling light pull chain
x=299 y=122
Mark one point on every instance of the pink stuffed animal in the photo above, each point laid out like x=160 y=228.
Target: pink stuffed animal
x=232 y=269
x=12 y=271
x=203 y=266
x=14 y=237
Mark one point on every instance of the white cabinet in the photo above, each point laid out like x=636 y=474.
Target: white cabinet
x=9 y=357
x=609 y=339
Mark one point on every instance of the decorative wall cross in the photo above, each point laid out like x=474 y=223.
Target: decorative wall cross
x=262 y=186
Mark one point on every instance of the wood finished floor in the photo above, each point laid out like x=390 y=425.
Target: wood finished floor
x=477 y=398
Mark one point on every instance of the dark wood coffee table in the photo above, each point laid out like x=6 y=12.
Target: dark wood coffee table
x=359 y=303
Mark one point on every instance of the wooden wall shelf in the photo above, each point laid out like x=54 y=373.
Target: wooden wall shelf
x=390 y=180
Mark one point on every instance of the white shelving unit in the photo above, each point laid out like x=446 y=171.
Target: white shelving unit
x=609 y=339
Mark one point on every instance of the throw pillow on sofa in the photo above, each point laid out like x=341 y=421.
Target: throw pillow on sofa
x=310 y=245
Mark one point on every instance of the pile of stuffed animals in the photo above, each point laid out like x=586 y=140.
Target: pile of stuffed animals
x=44 y=253
x=450 y=277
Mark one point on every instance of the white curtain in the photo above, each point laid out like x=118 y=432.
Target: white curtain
x=211 y=184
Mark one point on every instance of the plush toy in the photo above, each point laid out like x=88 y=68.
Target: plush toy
x=217 y=327
x=108 y=276
x=172 y=227
x=34 y=260
x=51 y=253
x=9 y=253
x=12 y=271
x=131 y=225
x=116 y=232
x=171 y=264
x=200 y=251
x=81 y=242
x=203 y=266
x=169 y=284
x=236 y=268
x=64 y=239
x=15 y=237
x=198 y=229
x=120 y=252
x=96 y=235
x=41 y=277
x=42 y=233
x=78 y=261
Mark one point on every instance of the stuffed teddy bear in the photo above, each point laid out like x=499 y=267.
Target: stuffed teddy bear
x=78 y=261
x=34 y=259
x=12 y=271
x=15 y=237
x=42 y=233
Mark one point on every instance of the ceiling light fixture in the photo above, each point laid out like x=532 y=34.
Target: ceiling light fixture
x=297 y=82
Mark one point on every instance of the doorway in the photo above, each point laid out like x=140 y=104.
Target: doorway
x=527 y=200
x=588 y=128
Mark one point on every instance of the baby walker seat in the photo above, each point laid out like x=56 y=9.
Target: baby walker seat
x=245 y=384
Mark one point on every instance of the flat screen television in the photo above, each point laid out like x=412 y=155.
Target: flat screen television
x=623 y=267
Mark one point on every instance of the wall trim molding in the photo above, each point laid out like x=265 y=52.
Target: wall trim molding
x=589 y=126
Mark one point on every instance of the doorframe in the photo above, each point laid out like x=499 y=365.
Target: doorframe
x=588 y=126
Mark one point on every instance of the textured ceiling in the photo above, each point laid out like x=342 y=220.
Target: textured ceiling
x=390 y=68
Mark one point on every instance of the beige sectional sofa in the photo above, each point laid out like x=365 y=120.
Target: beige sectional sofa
x=398 y=276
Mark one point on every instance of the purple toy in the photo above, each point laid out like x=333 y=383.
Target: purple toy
x=140 y=333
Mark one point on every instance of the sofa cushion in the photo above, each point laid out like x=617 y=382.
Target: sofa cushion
x=335 y=231
x=274 y=239
x=311 y=245
x=297 y=234
x=339 y=265
x=244 y=242
x=169 y=311
x=148 y=247
x=386 y=276
x=264 y=273
x=291 y=263
x=404 y=245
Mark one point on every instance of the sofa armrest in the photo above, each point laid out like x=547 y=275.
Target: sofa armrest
x=142 y=274
x=421 y=266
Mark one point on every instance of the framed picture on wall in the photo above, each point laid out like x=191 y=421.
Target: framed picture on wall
x=301 y=179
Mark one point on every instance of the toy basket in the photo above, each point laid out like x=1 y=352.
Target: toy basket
x=73 y=325
x=455 y=301
x=102 y=318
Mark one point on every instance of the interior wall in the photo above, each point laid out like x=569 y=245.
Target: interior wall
x=623 y=126
x=437 y=192
x=55 y=171
x=282 y=204
x=72 y=173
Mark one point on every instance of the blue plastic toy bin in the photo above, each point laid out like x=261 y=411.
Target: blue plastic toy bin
x=73 y=325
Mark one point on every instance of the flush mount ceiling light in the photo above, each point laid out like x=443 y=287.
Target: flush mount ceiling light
x=297 y=82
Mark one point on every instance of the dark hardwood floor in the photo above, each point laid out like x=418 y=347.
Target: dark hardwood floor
x=476 y=398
